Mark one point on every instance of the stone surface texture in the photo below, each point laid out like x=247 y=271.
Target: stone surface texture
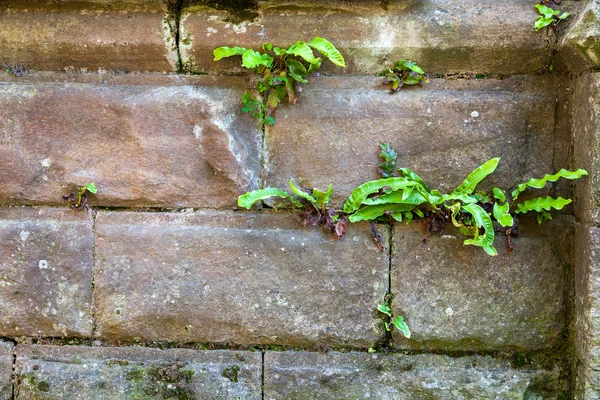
x=586 y=154
x=6 y=370
x=587 y=312
x=46 y=260
x=442 y=132
x=115 y=36
x=444 y=36
x=241 y=278
x=142 y=145
x=64 y=372
x=580 y=46
x=306 y=376
x=457 y=297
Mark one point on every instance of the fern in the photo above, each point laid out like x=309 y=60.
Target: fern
x=360 y=193
x=370 y=213
x=280 y=72
x=540 y=183
x=540 y=204
x=479 y=174
x=482 y=220
x=407 y=197
x=247 y=200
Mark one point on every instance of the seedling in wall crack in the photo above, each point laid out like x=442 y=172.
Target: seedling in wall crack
x=405 y=72
x=278 y=73
x=401 y=195
x=397 y=322
x=79 y=200
x=548 y=16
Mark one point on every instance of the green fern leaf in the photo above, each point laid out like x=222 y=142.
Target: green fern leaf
x=224 y=51
x=322 y=198
x=369 y=213
x=296 y=70
x=328 y=49
x=252 y=59
x=410 y=175
x=502 y=215
x=301 y=193
x=360 y=193
x=401 y=326
x=478 y=174
x=482 y=220
x=302 y=50
x=499 y=194
x=397 y=197
x=540 y=183
x=90 y=187
x=540 y=203
x=248 y=199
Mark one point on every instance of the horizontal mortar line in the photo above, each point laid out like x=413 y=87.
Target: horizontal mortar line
x=136 y=209
x=114 y=78
x=210 y=346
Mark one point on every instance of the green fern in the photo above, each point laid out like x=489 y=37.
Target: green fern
x=249 y=199
x=280 y=72
x=540 y=183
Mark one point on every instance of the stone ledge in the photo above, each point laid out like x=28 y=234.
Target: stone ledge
x=46 y=260
x=305 y=376
x=161 y=146
x=457 y=297
x=242 y=278
x=442 y=132
x=61 y=372
x=442 y=36
x=88 y=36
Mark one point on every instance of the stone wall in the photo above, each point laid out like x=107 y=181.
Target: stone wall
x=166 y=289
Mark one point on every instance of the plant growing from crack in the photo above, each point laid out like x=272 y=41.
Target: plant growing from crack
x=548 y=16
x=397 y=322
x=79 y=200
x=278 y=73
x=401 y=195
x=405 y=72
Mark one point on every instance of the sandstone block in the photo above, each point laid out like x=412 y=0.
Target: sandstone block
x=304 y=376
x=457 y=297
x=442 y=36
x=580 y=46
x=87 y=36
x=239 y=278
x=442 y=132
x=6 y=370
x=587 y=312
x=46 y=260
x=63 y=372
x=142 y=145
x=586 y=153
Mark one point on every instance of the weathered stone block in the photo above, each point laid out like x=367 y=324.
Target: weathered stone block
x=442 y=36
x=580 y=46
x=87 y=36
x=304 y=376
x=457 y=297
x=586 y=153
x=63 y=372
x=46 y=260
x=6 y=370
x=587 y=312
x=442 y=132
x=242 y=278
x=163 y=145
